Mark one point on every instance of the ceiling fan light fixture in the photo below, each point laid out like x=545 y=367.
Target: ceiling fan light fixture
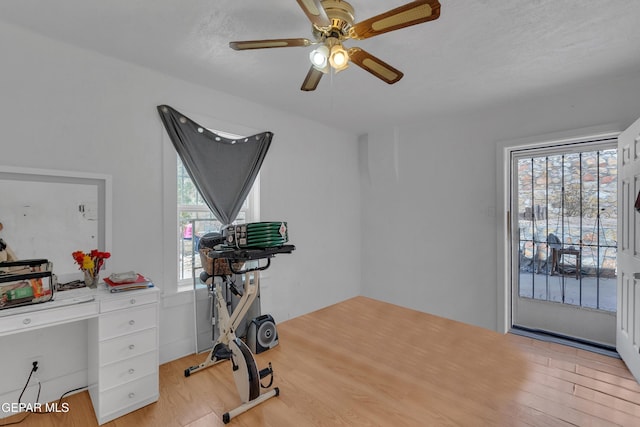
x=319 y=58
x=339 y=58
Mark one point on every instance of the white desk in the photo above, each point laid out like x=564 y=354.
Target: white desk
x=123 y=342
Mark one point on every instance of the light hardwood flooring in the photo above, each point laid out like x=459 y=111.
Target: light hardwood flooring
x=367 y=363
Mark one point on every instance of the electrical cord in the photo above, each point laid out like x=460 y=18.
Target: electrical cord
x=59 y=401
x=33 y=369
x=29 y=412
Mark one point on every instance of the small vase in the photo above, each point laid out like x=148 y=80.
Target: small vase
x=91 y=281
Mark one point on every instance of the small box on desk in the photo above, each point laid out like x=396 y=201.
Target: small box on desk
x=25 y=282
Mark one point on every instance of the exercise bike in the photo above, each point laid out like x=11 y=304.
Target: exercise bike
x=228 y=346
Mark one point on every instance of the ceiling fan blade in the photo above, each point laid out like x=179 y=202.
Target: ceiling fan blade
x=311 y=80
x=265 y=44
x=315 y=12
x=375 y=66
x=412 y=13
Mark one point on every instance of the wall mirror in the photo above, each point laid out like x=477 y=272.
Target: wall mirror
x=50 y=214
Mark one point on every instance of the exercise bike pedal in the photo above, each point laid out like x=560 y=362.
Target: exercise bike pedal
x=268 y=371
x=221 y=352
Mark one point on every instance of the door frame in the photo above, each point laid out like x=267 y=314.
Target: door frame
x=504 y=149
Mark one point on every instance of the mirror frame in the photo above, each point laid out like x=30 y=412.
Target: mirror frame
x=102 y=182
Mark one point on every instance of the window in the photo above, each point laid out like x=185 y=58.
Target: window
x=195 y=219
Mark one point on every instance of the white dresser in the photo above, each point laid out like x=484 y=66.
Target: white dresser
x=123 y=353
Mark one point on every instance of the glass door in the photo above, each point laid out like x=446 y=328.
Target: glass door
x=564 y=231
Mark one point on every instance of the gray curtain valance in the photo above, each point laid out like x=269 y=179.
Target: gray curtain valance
x=222 y=169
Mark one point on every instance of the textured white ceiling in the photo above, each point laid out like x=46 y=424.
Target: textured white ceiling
x=478 y=53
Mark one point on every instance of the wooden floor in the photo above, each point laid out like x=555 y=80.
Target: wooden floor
x=367 y=363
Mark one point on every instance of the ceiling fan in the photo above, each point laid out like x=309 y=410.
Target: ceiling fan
x=332 y=24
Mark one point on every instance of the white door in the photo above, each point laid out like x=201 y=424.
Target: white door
x=628 y=324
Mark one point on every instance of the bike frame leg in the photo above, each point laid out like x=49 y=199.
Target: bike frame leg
x=224 y=325
x=246 y=406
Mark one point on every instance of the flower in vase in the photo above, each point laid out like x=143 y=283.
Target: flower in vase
x=90 y=263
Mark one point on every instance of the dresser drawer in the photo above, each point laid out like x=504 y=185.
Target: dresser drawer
x=128 y=370
x=128 y=345
x=43 y=315
x=131 y=299
x=128 y=394
x=122 y=322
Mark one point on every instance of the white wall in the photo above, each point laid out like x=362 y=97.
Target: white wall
x=70 y=109
x=429 y=195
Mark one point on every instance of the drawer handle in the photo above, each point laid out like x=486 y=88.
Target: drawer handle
x=132 y=322
x=133 y=301
x=132 y=395
x=131 y=347
x=26 y=321
x=131 y=371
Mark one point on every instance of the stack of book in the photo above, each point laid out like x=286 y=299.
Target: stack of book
x=122 y=282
